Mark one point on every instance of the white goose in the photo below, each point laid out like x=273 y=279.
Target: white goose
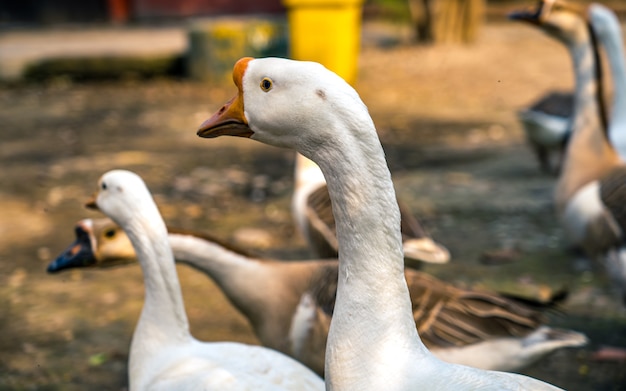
x=163 y=354
x=312 y=212
x=476 y=328
x=547 y=126
x=372 y=342
x=608 y=32
x=591 y=189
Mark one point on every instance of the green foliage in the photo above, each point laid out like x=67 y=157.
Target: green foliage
x=393 y=10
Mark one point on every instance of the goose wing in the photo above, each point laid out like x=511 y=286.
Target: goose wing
x=449 y=316
x=418 y=245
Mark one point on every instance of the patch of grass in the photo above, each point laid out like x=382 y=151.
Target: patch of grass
x=105 y=68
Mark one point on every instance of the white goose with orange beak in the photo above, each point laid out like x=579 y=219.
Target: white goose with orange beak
x=372 y=343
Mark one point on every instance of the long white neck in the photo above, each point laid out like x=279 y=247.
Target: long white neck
x=372 y=325
x=611 y=39
x=588 y=151
x=163 y=320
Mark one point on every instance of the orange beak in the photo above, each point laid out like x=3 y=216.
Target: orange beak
x=230 y=119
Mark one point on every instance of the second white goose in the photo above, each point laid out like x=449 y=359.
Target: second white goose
x=163 y=354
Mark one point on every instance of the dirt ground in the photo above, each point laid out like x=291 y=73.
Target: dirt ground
x=446 y=116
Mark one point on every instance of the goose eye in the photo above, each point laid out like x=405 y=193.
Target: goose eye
x=103 y=186
x=266 y=84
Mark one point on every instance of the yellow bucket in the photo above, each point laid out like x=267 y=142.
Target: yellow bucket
x=328 y=32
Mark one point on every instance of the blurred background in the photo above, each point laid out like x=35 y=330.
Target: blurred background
x=89 y=86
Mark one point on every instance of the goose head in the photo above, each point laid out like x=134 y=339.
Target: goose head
x=279 y=99
x=558 y=19
x=122 y=196
x=99 y=243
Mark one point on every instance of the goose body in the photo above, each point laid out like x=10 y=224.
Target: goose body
x=312 y=211
x=608 y=32
x=591 y=188
x=547 y=126
x=163 y=354
x=373 y=343
x=475 y=328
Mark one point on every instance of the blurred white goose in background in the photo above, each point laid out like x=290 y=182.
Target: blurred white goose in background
x=470 y=327
x=591 y=189
x=313 y=216
x=608 y=32
x=547 y=126
x=372 y=342
x=163 y=354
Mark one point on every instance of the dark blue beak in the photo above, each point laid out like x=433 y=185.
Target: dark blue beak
x=78 y=254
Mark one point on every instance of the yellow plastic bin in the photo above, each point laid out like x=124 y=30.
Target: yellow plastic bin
x=328 y=32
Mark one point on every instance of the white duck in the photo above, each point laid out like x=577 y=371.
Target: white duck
x=163 y=354
x=608 y=32
x=476 y=328
x=312 y=212
x=591 y=189
x=372 y=342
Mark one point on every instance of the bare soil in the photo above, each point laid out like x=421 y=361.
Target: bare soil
x=446 y=116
